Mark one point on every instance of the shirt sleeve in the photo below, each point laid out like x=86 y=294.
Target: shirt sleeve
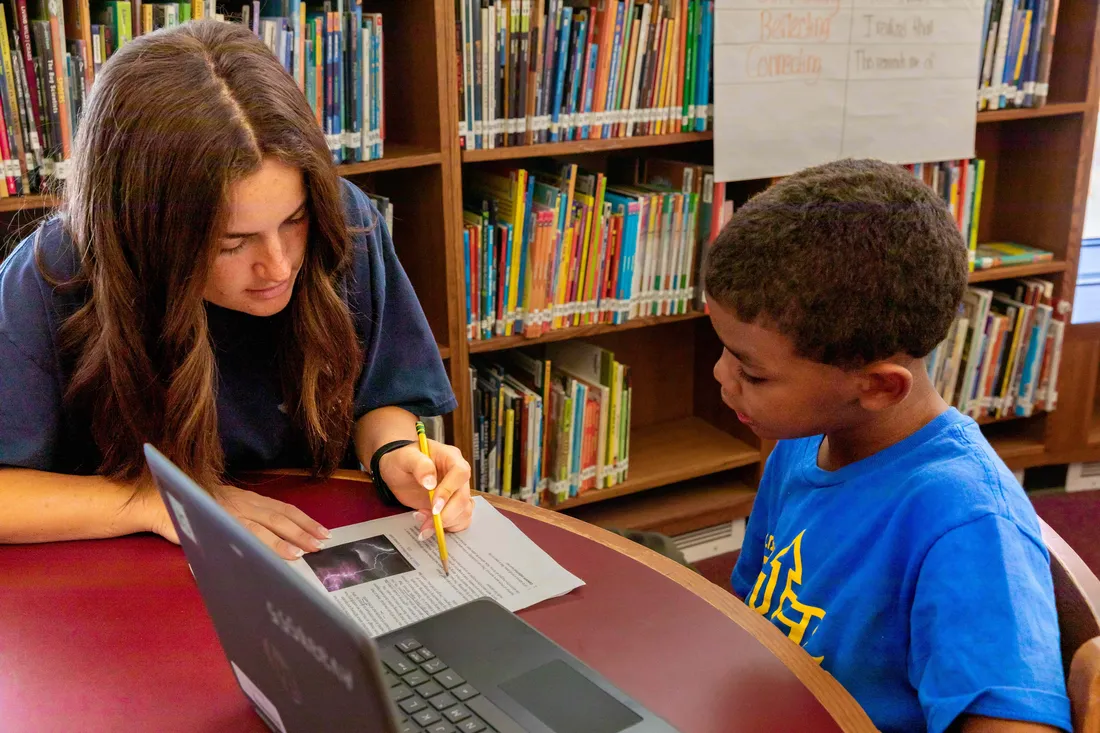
x=401 y=362
x=984 y=629
x=30 y=398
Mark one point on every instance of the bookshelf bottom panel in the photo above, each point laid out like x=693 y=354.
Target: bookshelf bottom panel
x=669 y=452
x=677 y=509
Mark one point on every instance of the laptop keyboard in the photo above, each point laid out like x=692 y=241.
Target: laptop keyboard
x=433 y=697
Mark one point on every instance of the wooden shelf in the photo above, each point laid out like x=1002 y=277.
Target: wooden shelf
x=444 y=351
x=1006 y=418
x=1094 y=429
x=584 y=146
x=668 y=452
x=1014 y=271
x=673 y=510
x=1014 y=449
x=34 y=201
x=1048 y=110
x=396 y=158
x=501 y=343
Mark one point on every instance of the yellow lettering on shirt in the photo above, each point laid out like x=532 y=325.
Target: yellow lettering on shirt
x=787 y=611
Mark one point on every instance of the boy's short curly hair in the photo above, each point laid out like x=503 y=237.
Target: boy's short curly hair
x=854 y=261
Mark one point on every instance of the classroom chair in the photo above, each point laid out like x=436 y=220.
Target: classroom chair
x=1077 y=595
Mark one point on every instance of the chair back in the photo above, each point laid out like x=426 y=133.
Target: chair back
x=1077 y=596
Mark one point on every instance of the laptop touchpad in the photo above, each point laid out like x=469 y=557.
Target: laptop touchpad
x=566 y=701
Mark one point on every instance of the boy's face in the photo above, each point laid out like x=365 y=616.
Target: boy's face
x=775 y=392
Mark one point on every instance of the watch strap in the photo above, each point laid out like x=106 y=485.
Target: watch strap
x=384 y=492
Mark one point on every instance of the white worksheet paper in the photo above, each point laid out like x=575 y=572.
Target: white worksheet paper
x=384 y=578
x=804 y=82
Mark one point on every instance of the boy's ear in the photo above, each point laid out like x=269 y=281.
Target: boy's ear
x=883 y=384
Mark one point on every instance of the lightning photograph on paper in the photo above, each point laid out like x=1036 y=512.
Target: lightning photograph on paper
x=357 y=562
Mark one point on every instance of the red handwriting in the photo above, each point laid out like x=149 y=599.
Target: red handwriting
x=768 y=63
x=788 y=25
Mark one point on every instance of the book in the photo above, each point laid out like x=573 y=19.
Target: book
x=1002 y=254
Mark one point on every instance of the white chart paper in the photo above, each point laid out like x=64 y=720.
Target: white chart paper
x=805 y=82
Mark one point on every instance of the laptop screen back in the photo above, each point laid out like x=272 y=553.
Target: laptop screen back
x=301 y=662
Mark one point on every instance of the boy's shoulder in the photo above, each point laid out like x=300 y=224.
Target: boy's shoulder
x=944 y=476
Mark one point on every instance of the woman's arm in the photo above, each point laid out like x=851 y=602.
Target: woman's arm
x=46 y=507
x=410 y=474
x=49 y=507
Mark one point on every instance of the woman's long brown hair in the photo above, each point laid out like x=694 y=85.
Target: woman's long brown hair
x=175 y=118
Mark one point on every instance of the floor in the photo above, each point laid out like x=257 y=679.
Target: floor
x=1075 y=517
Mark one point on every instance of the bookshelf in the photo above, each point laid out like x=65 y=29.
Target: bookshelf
x=692 y=465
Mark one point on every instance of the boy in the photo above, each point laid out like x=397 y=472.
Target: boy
x=887 y=538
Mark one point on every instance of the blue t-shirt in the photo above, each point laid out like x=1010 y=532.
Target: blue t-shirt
x=401 y=365
x=917 y=577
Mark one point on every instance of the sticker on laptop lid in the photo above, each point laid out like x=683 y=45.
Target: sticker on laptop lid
x=259 y=699
x=181 y=517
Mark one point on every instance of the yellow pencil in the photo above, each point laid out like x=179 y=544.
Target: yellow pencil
x=431 y=501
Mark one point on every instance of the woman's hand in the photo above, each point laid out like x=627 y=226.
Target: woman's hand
x=410 y=475
x=282 y=527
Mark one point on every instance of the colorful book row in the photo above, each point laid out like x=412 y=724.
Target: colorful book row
x=1001 y=356
x=1017 y=41
x=559 y=247
x=45 y=75
x=959 y=183
x=548 y=429
x=337 y=57
x=537 y=71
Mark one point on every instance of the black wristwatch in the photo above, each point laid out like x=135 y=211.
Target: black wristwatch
x=384 y=492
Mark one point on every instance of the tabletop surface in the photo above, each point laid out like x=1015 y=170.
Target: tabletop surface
x=112 y=635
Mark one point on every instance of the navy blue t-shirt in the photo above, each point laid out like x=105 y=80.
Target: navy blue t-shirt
x=401 y=365
x=918 y=577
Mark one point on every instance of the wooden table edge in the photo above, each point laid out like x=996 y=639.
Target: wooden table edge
x=831 y=694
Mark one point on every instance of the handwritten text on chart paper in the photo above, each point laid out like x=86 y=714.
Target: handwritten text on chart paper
x=802 y=82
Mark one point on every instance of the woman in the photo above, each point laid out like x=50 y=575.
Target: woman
x=213 y=288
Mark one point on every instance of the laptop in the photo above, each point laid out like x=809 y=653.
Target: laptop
x=306 y=666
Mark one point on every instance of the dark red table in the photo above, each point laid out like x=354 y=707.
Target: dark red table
x=111 y=635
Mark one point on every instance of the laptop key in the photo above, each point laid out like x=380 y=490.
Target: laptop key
x=443 y=701
x=409 y=727
x=448 y=678
x=416 y=657
x=415 y=679
x=391 y=681
x=396 y=662
x=456 y=714
x=470 y=725
x=408 y=645
x=427 y=716
x=493 y=715
x=464 y=691
x=432 y=666
x=400 y=692
x=440 y=727
x=412 y=704
x=429 y=689
x=426 y=653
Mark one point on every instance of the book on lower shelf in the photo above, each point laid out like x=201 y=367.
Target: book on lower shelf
x=548 y=429
x=559 y=246
x=1004 y=254
x=1002 y=353
x=548 y=70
